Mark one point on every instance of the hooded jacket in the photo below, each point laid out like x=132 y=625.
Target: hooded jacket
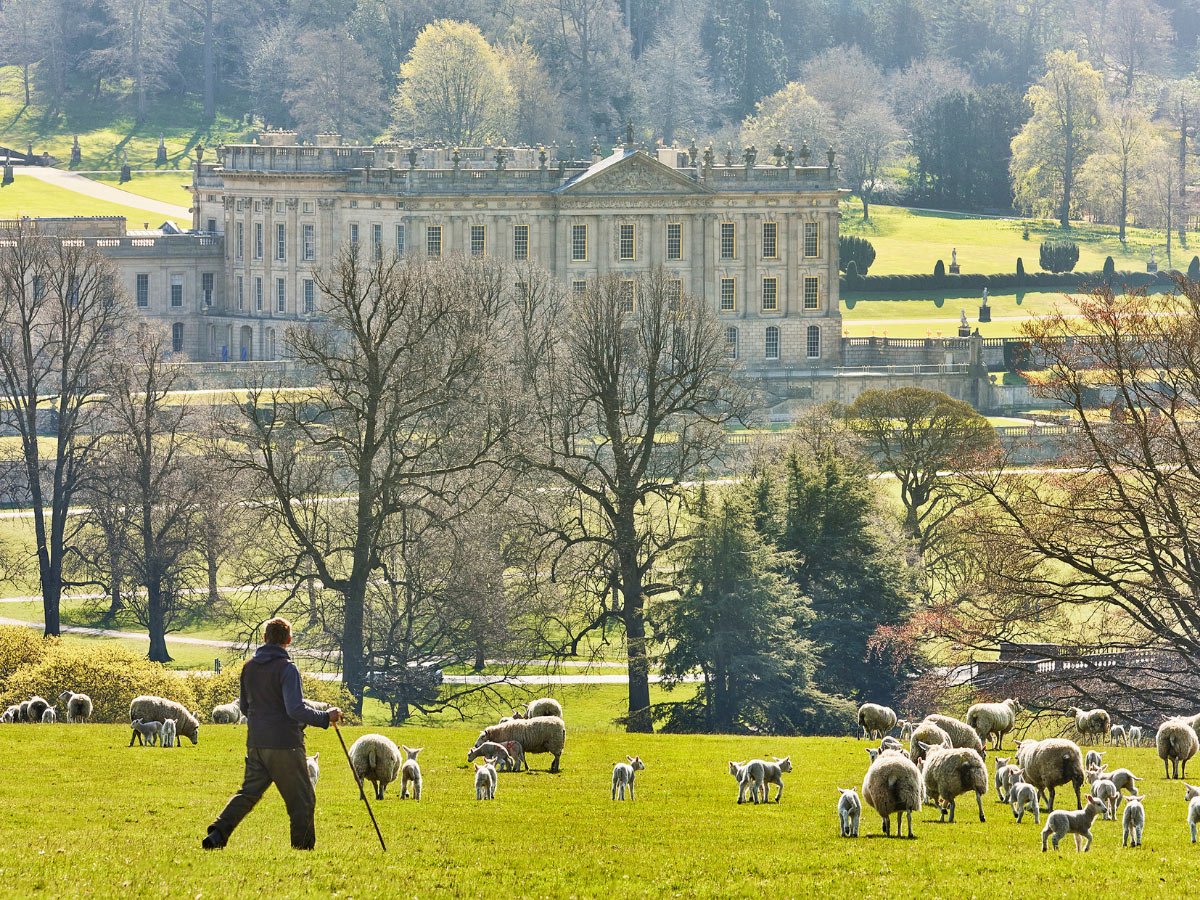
x=272 y=697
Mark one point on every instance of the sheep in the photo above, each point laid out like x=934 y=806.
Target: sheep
x=1133 y=820
x=890 y=743
x=23 y=711
x=961 y=734
x=376 y=759
x=1122 y=778
x=516 y=755
x=227 y=713
x=1005 y=774
x=49 y=716
x=1023 y=796
x=926 y=733
x=543 y=734
x=993 y=719
x=1192 y=796
x=876 y=720
x=1177 y=743
x=1108 y=795
x=1052 y=763
x=10 y=714
x=497 y=753
x=758 y=774
x=849 y=811
x=167 y=736
x=873 y=752
x=1060 y=823
x=1134 y=736
x=738 y=771
x=1094 y=759
x=314 y=767
x=79 y=708
x=893 y=785
x=485 y=781
x=1089 y=722
x=1025 y=751
x=951 y=772
x=624 y=774
x=906 y=729
x=410 y=773
x=37 y=706
x=1118 y=735
x=158 y=709
x=145 y=733
x=542 y=707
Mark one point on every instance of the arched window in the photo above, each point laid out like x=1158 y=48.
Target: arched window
x=814 y=342
x=731 y=342
x=771 y=343
x=177 y=337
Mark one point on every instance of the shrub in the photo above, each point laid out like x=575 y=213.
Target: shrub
x=1059 y=256
x=1110 y=269
x=213 y=690
x=20 y=647
x=939 y=272
x=852 y=271
x=1193 y=270
x=1020 y=271
x=856 y=249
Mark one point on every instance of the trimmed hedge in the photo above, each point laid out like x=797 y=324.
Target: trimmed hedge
x=895 y=283
x=1059 y=256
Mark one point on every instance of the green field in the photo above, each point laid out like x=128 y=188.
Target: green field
x=938 y=316
x=28 y=196
x=88 y=816
x=168 y=187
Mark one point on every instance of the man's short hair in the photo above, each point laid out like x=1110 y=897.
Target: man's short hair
x=277 y=631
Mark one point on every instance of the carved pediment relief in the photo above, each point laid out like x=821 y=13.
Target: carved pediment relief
x=634 y=174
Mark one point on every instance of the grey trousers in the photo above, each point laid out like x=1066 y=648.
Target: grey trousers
x=288 y=771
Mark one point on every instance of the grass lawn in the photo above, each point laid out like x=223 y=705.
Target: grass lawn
x=30 y=197
x=168 y=187
x=938 y=316
x=131 y=821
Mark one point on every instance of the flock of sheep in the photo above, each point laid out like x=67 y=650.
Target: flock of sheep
x=945 y=760
x=77 y=709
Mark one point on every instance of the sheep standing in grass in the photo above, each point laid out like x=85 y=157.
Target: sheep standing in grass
x=159 y=709
x=624 y=774
x=1134 y=737
x=1052 y=763
x=849 y=811
x=516 y=755
x=1023 y=796
x=410 y=773
x=168 y=733
x=227 y=713
x=926 y=733
x=313 y=763
x=738 y=771
x=1006 y=774
x=771 y=773
x=906 y=729
x=1177 y=743
x=377 y=760
x=1133 y=820
x=1060 y=823
x=543 y=706
x=491 y=751
x=993 y=720
x=23 y=711
x=1122 y=778
x=1094 y=759
x=876 y=720
x=1192 y=796
x=37 y=706
x=543 y=734
x=10 y=714
x=145 y=733
x=1108 y=795
x=949 y=773
x=893 y=785
x=49 y=716
x=1119 y=735
x=485 y=782
x=961 y=734
x=79 y=708
x=1090 y=723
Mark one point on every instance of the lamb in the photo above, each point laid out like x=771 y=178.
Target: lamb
x=1119 y=735
x=1050 y=764
x=1060 y=823
x=485 y=781
x=410 y=773
x=516 y=753
x=1133 y=820
x=1177 y=743
x=78 y=707
x=159 y=709
x=758 y=774
x=314 y=767
x=1005 y=774
x=1023 y=796
x=543 y=734
x=873 y=752
x=890 y=743
x=849 y=811
x=167 y=735
x=1193 y=813
x=926 y=733
x=961 y=734
x=993 y=719
x=497 y=753
x=624 y=774
x=1134 y=737
x=1122 y=778
x=893 y=785
x=49 y=716
x=738 y=771
x=37 y=706
x=1090 y=722
x=1094 y=759
x=876 y=720
x=543 y=706
x=377 y=760
x=145 y=733
x=10 y=714
x=906 y=729
x=227 y=713
x=1108 y=795
x=951 y=772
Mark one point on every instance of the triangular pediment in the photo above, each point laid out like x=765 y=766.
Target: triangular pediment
x=632 y=172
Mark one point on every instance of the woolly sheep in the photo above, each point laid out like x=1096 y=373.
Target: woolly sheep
x=1177 y=743
x=1052 y=763
x=516 y=755
x=1122 y=778
x=1192 y=796
x=758 y=774
x=951 y=772
x=961 y=734
x=314 y=767
x=145 y=733
x=23 y=711
x=543 y=706
x=890 y=743
x=738 y=771
x=497 y=753
x=624 y=774
x=79 y=708
x=544 y=734
x=377 y=760
x=37 y=706
x=1060 y=823
x=1108 y=795
x=159 y=709
x=1089 y=722
x=1118 y=735
x=1134 y=737
x=927 y=733
x=993 y=720
x=1133 y=821
x=849 y=811
x=876 y=720
x=1023 y=796
x=49 y=716
x=167 y=735
x=1094 y=759
x=227 y=713
x=10 y=714
x=485 y=782
x=893 y=785
x=410 y=773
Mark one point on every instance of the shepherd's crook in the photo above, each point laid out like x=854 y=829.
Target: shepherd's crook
x=359 y=781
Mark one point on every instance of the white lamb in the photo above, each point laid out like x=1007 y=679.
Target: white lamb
x=1002 y=774
x=1060 y=823
x=1193 y=812
x=145 y=733
x=1094 y=759
x=1023 y=796
x=410 y=773
x=314 y=768
x=1122 y=778
x=49 y=716
x=1106 y=792
x=738 y=771
x=758 y=774
x=485 y=781
x=849 y=811
x=167 y=735
x=1119 y=735
x=1133 y=820
x=624 y=774
x=1133 y=736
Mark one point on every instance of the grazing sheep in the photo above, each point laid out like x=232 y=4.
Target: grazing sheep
x=37 y=706
x=1060 y=823
x=1108 y=795
x=516 y=755
x=1133 y=820
x=227 y=713
x=906 y=729
x=1134 y=737
x=23 y=711
x=624 y=774
x=79 y=708
x=167 y=735
x=1023 y=796
x=159 y=709
x=890 y=743
x=1192 y=796
x=543 y=734
x=485 y=782
x=993 y=720
x=876 y=720
x=377 y=760
x=1090 y=722
x=145 y=733
x=849 y=811
x=1094 y=759
x=497 y=753
x=1119 y=735
x=1122 y=778
x=314 y=767
x=951 y=772
x=10 y=714
x=543 y=706
x=926 y=733
x=1177 y=743
x=961 y=734
x=49 y=716
x=410 y=773
x=893 y=785
x=1051 y=764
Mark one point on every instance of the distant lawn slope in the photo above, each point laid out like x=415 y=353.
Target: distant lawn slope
x=168 y=187
x=28 y=196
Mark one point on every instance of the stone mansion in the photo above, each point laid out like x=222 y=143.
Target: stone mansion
x=759 y=241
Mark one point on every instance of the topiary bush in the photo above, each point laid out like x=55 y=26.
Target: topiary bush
x=939 y=272
x=1059 y=256
x=1020 y=271
x=857 y=250
x=852 y=274
x=1110 y=269
x=1193 y=270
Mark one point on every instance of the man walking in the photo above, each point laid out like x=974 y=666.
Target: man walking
x=272 y=699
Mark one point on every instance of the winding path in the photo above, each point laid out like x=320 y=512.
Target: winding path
x=97 y=190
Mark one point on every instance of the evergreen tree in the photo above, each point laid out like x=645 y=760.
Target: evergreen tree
x=749 y=56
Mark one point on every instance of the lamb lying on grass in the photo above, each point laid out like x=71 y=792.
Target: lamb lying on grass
x=1060 y=823
x=410 y=773
x=485 y=781
x=849 y=811
x=1133 y=820
x=145 y=733
x=623 y=776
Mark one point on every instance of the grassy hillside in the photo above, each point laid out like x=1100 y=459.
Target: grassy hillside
x=684 y=834
x=28 y=196
x=169 y=187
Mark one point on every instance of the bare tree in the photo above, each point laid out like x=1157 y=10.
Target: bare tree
x=870 y=140
x=333 y=86
x=142 y=43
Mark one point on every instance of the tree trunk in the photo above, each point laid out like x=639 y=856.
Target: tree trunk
x=25 y=77
x=866 y=205
x=1124 y=200
x=639 y=719
x=51 y=599
x=211 y=561
x=115 y=603
x=210 y=64
x=354 y=669
x=156 y=622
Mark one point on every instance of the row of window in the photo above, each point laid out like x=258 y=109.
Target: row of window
x=308 y=294
x=174 y=289
x=771 y=342
x=769 y=297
